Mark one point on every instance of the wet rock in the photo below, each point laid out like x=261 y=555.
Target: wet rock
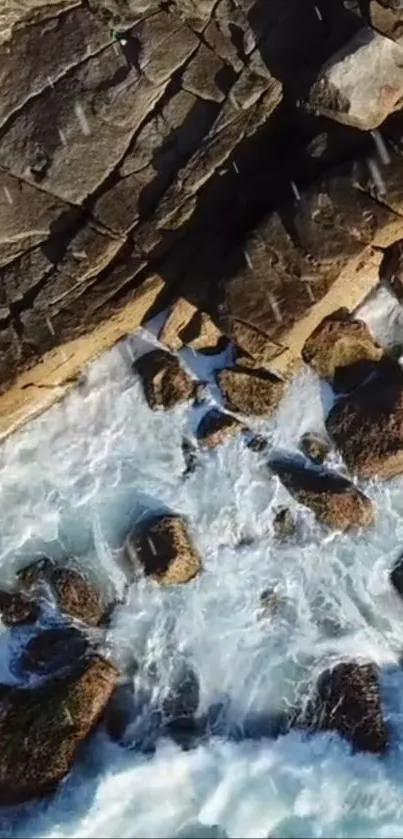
x=367 y=428
x=347 y=700
x=53 y=650
x=164 y=380
x=41 y=729
x=342 y=351
x=332 y=498
x=15 y=608
x=396 y=576
x=257 y=443
x=190 y=456
x=164 y=549
x=363 y=83
x=269 y=603
x=284 y=524
x=182 y=700
x=71 y=589
x=391 y=270
x=215 y=427
x=120 y=712
x=188 y=326
x=250 y=391
x=314 y=447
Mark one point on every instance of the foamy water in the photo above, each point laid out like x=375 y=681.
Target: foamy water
x=72 y=483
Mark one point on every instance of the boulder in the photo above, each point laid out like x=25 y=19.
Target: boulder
x=54 y=650
x=342 y=351
x=347 y=700
x=164 y=549
x=314 y=447
x=387 y=17
x=187 y=325
x=284 y=524
x=165 y=382
x=215 y=427
x=333 y=499
x=15 y=608
x=71 y=589
x=250 y=391
x=363 y=83
x=41 y=729
x=367 y=428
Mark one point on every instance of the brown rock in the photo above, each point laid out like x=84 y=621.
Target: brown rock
x=342 y=350
x=387 y=17
x=215 y=427
x=15 y=608
x=284 y=524
x=333 y=499
x=367 y=428
x=250 y=391
x=164 y=381
x=164 y=549
x=187 y=325
x=73 y=592
x=347 y=700
x=42 y=729
x=314 y=447
x=254 y=342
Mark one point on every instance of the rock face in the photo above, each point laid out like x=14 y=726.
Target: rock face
x=41 y=729
x=347 y=700
x=334 y=500
x=73 y=592
x=250 y=391
x=367 y=428
x=164 y=381
x=342 y=351
x=164 y=549
x=215 y=427
x=363 y=83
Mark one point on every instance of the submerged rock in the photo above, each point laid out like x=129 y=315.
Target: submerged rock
x=215 y=427
x=165 y=550
x=182 y=701
x=73 y=592
x=165 y=382
x=347 y=700
x=53 y=650
x=342 y=351
x=367 y=428
x=284 y=524
x=396 y=576
x=41 y=729
x=120 y=712
x=314 y=447
x=15 y=609
x=250 y=391
x=190 y=456
x=332 y=498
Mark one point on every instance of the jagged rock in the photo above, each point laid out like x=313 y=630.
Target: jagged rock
x=164 y=549
x=215 y=427
x=41 y=729
x=284 y=524
x=342 y=351
x=15 y=608
x=250 y=391
x=396 y=576
x=391 y=270
x=367 y=428
x=347 y=700
x=187 y=325
x=254 y=341
x=333 y=499
x=314 y=447
x=53 y=650
x=73 y=592
x=387 y=17
x=165 y=382
x=363 y=83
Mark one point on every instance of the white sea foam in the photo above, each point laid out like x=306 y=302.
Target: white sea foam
x=73 y=481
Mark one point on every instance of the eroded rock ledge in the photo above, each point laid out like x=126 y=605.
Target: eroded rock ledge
x=215 y=151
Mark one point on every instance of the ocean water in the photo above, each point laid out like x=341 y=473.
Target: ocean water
x=73 y=481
